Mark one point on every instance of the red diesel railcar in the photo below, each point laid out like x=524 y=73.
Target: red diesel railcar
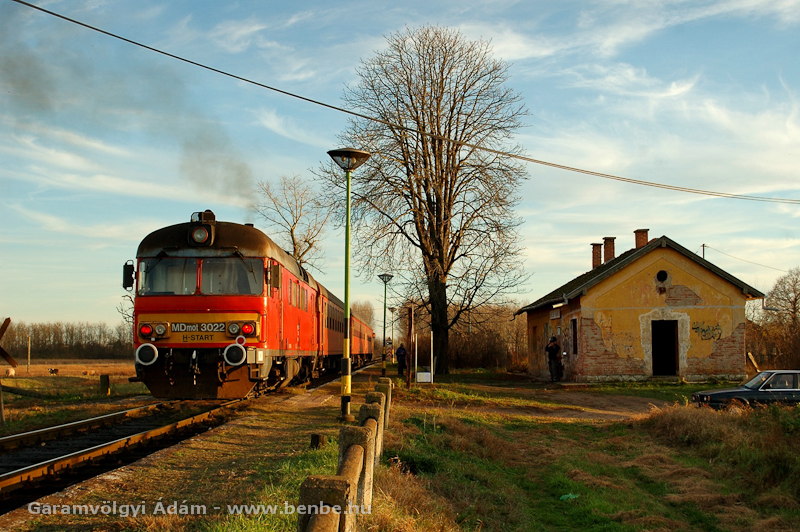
x=220 y=311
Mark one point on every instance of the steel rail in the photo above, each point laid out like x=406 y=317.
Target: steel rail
x=14 y=479
x=22 y=439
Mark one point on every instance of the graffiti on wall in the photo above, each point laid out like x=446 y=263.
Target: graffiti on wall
x=707 y=332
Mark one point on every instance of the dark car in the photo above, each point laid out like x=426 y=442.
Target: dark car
x=774 y=386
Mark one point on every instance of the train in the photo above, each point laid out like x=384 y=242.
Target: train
x=222 y=312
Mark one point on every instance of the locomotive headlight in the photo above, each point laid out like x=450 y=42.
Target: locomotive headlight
x=233 y=329
x=146 y=330
x=248 y=328
x=200 y=234
x=161 y=329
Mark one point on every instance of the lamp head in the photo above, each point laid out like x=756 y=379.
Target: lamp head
x=349 y=158
x=385 y=277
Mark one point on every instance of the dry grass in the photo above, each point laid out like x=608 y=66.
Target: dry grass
x=456 y=455
x=406 y=503
x=75 y=368
x=762 y=444
x=73 y=394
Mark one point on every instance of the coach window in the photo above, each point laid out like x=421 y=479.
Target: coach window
x=232 y=276
x=167 y=277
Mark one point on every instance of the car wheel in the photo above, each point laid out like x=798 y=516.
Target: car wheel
x=736 y=406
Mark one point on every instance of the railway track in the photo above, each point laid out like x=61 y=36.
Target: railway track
x=40 y=462
x=32 y=459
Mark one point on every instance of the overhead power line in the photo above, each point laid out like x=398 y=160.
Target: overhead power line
x=743 y=260
x=417 y=132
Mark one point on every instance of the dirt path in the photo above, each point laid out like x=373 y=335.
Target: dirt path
x=564 y=402
x=580 y=404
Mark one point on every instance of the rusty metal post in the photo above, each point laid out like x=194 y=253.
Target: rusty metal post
x=105 y=385
x=2 y=406
x=318 y=441
x=409 y=350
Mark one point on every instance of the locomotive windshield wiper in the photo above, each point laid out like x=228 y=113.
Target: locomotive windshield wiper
x=247 y=265
x=149 y=267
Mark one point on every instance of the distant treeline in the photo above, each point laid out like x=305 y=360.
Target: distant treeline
x=68 y=340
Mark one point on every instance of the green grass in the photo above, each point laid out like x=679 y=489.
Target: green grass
x=510 y=473
x=672 y=392
x=461 y=381
x=65 y=389
x=68 y=399
x=281 y=486
x=458 y=394
x=481 y=376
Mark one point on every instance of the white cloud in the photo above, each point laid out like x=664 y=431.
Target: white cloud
x=27 y=146
x=237 y=36
x=299 y=17
x=103 y=231
x=622 y=79
x=601 y=29
x=286 y=127
x=39 y=130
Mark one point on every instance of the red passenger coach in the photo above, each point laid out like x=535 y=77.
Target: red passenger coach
x=222 y=312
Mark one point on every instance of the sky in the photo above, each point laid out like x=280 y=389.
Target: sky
x=102 y=141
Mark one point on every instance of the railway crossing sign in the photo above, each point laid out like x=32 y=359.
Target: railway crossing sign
x=3 y=353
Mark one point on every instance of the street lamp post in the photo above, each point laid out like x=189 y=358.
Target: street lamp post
x=348 y=160
x=391 y=309
x=385 y=277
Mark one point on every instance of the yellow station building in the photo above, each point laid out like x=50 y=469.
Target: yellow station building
x=657 y=310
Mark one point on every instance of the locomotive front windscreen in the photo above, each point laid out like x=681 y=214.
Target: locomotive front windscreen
x=232 y=275
x=167 y=276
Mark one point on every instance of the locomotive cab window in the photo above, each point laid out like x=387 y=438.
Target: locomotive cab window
x=167 y=276
x=232 y=275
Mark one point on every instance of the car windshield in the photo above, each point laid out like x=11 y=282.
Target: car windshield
x=756 y=382
x=232 y=275
x=167 y=276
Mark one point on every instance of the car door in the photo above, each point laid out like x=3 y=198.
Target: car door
x=780 y=388
x=795 y=392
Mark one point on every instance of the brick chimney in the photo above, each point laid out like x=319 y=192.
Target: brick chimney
x=596 y=257
x=608 y=248
x=641 y=237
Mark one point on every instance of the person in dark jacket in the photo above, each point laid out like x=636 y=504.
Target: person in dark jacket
x=553 y=351
x=401 y=359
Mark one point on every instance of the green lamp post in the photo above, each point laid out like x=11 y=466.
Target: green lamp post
x=385 y=277
x=348 y=160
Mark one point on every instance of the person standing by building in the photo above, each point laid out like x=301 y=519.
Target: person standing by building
x=553 y=351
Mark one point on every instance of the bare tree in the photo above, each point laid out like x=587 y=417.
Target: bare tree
x=773 y=334
x=297 y=214
x=785 y=296
x=365 y=311
x=125 y=309
x=783 y=325
x=435 y=203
